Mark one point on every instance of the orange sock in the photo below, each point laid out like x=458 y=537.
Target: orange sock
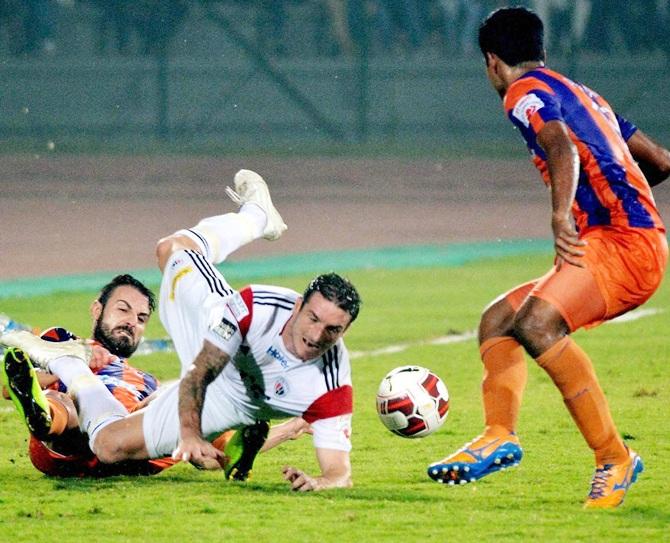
x=59 y=417
x=572 y=372
x=505 y=375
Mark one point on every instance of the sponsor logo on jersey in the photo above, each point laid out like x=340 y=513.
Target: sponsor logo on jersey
x=524 y=108
x=225 y=329
x=281 y=387
x=278 y=356
x=237 y=306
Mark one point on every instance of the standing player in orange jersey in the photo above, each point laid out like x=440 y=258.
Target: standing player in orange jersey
x=611 y=254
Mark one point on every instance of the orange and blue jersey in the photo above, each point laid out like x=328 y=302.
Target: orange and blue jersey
x=611 y=190
x=128 y=384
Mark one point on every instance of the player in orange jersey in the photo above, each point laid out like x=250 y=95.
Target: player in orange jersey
x=611 y=253
x=57 y=447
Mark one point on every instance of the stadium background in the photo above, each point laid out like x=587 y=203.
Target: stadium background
x=107 y=145
x=123 y=121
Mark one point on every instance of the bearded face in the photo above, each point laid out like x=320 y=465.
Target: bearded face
x=120 y=323
x=119 y=340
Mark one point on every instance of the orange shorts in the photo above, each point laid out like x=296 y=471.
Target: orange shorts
x=623 y=268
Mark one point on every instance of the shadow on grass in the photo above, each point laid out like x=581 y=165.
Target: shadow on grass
x=214 y=483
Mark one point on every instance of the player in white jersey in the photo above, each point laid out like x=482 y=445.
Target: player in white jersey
x=247 y=356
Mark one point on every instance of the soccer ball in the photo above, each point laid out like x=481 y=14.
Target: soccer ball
x=412 y=401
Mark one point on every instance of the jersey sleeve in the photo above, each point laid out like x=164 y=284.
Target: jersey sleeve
x=626 y=127
x=330 y=417
x=531 y=104
x=229 y=329
x=333 y=433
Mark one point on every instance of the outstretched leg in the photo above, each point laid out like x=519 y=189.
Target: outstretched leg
x=219 y=236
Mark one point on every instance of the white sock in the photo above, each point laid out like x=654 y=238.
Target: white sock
x=96 y=405
x=221 y=235
x=69 y=368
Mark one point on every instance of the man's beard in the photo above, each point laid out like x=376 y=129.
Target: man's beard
x=121 y=346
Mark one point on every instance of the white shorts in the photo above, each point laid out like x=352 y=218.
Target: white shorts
x=161 y=418
x=193 y=299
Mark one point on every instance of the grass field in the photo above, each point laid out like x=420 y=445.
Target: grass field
x=393 y=499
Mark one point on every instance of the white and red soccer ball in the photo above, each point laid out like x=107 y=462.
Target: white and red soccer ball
x=412 y=401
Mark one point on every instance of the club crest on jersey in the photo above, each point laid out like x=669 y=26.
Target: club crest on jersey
x=281 y=387
x=278 y=356
x=525 y=108
x=225 y=329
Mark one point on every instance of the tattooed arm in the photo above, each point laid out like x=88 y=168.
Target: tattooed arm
x=192 y=447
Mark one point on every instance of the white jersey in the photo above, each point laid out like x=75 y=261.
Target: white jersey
x=263 y=380
x=267 y=381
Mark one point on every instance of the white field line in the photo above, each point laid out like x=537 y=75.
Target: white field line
x=636 y=314
x=392 y=349
x=459 y=338
x=165 y=345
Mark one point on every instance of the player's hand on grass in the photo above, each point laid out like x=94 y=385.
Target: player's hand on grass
x=199 y=452
x=566 y=242
x=300 y=481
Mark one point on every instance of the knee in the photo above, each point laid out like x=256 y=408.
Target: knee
x=496 y=320
x=164 y=248
x=171 y=244
x=107 y=446
x=537 y=331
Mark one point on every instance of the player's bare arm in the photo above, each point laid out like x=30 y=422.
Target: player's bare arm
x=563 y=164
x=335 y=472
x=206 y=367
x=291 y=429
x=653 y=159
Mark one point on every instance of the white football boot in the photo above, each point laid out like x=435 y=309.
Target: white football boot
x=41 y=352
x=250 y=188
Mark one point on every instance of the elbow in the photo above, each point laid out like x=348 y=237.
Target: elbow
x=664 y=168
x=659 y=173
x=340 y=482
x=345 y=480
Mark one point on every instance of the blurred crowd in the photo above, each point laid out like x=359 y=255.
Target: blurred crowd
x=281 y=28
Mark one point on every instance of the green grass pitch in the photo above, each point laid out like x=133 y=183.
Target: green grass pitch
x=393 y=499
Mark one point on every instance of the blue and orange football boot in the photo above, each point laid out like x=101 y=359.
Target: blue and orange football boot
x=19 y=376
x=611 y=482
x=481 y=457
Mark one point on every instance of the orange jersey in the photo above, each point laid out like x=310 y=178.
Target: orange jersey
x=612 y=190
x=127 y=384
x=68 y=455
x=82 y=462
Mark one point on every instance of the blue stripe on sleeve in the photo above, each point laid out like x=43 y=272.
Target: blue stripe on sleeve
x=584 y=126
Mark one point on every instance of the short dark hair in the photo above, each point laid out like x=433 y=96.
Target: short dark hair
x=336 y=289
x=514 y=34
x=126 y=280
